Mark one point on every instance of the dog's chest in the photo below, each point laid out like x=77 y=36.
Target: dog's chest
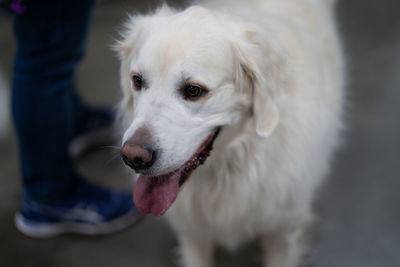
x=230 y=213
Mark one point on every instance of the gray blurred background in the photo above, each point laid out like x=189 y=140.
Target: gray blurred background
x=358 y=209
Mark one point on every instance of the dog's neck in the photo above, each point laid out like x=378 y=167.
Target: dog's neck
x=231 y=136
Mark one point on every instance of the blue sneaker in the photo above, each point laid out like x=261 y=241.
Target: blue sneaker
x=92 y=210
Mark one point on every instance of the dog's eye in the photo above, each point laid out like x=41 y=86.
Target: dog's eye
x=193 y=92
x=137 y=82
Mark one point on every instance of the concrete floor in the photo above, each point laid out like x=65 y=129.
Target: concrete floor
x=359 y=208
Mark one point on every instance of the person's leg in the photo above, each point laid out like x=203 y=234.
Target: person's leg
x=47 y=114
x=50 y=42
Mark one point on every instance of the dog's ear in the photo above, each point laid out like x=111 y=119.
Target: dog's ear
x=132 y=35
x=133 y=29
x=130 y=32
x=261 y=66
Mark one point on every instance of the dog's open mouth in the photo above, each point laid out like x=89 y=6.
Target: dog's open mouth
x=155 y=194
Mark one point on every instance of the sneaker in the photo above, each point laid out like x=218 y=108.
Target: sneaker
x=95 y=128
x=92 y=210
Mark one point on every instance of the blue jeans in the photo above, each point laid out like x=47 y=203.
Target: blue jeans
x=50 y=37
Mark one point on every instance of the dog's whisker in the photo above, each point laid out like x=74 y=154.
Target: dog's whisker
x=111 y=147
x=113 y=158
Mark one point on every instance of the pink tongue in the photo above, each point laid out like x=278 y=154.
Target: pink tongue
x=155 y=194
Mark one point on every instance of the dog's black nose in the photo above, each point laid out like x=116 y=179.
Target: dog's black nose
x=137 y=157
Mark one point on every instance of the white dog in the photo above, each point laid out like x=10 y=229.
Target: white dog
x=261 y=82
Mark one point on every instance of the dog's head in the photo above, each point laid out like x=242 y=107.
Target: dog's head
x=184 y=76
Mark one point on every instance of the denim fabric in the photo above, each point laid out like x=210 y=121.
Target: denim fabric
x=50 y=37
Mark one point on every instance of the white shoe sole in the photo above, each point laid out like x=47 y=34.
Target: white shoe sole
x=81 y=144
x=47 y=230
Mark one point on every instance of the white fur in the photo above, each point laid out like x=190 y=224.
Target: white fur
x=274 y=69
